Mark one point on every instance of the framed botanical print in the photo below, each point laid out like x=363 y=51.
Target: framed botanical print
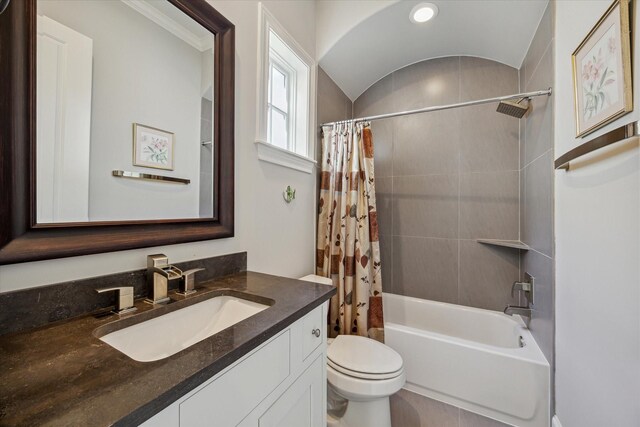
x=152 y=148
x=602 y=79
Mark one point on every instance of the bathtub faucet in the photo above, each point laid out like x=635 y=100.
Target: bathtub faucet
x=522 y=311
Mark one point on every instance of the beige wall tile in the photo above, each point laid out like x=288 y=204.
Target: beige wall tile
x=427 y=83
x=384 y=204
x=486 y=275
x=375 y=100
x=386 y=257
x=426 y=206
x=333 y=104
x=489 y=205
x=540 y=42
x=489 y=140
x=427 y=143
x=542 y=269
x=482 y=78
x=539 y=124
x=426 y=268
x=383 y=143
x=537 y=230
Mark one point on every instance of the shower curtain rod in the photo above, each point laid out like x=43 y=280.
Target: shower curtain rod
x=444 y=107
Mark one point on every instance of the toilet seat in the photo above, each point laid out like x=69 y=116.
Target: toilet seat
x=363 y=358
x=362 y=390
x=363 y=375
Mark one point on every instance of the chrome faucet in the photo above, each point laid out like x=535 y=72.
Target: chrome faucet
x=159 y=273
x=516 y=309
x=527 y=288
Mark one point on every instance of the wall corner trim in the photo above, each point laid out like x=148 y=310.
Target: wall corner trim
x=555 y=421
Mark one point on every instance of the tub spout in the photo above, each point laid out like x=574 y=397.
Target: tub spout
x=515 y=309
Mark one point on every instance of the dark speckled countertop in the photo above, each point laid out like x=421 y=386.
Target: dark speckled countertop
x=62 y=375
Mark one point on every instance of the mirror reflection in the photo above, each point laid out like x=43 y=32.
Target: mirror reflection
x=124 y=112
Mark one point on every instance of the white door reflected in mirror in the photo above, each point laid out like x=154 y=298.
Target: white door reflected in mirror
x=103 y=66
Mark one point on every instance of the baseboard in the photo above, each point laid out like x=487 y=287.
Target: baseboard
x=555 y=421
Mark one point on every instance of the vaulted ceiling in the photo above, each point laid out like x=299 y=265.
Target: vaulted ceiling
x=382 y=39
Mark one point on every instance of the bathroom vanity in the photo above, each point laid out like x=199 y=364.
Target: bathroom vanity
x=266 y=370
x=281 y=383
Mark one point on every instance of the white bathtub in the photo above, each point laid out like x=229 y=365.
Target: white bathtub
x=479 y=360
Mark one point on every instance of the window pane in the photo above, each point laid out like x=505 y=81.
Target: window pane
x=278 y=89
x=270 y=84
x=278 y=129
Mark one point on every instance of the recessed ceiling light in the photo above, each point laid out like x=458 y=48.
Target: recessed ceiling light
x=423 y=12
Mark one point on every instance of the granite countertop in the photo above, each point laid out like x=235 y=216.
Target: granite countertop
x=61 y=374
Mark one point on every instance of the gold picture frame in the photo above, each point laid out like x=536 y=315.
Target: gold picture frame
x=152 y=147
x=602 y=81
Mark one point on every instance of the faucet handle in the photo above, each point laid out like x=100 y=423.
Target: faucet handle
x=527 y=286
x=188 y=281
x=124 y=298
x=520 y=286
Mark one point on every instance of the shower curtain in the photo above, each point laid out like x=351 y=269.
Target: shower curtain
x=348 y=250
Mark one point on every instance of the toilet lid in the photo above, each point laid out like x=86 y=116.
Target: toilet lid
x=363 y=357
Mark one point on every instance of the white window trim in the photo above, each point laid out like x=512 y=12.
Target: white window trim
x=266 y=151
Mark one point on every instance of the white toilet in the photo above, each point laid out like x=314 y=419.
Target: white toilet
x=361 y=374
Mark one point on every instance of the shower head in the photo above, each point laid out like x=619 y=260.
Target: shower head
x=514 y=109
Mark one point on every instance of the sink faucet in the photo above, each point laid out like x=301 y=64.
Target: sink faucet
x=159 y=273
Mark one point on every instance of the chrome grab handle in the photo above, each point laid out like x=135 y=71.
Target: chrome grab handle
x=124 y=298
x=316 y=333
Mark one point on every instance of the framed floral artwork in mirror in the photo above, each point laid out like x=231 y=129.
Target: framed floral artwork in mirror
x=602 y=71
x=152 y=148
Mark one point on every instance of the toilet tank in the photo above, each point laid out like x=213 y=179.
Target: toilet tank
x=317 y=279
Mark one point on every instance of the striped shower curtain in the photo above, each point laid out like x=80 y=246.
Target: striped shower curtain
x=348 y=250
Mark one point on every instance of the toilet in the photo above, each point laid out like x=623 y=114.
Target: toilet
x=361 y=375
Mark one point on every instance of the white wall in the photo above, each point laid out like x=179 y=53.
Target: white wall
x=141 y=74
x=597 y=209
x=279 y=238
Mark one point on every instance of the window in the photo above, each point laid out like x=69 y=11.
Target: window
x=279 y=117
x=287 y=99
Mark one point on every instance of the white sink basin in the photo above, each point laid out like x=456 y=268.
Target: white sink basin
x=170 y=333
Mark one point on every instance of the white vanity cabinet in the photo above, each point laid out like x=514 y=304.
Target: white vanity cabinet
x=282 y=383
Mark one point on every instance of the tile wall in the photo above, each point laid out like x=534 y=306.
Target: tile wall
x=537 y=184
x=445 y=179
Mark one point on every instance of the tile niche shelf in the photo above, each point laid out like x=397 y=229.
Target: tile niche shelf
x=515 y=244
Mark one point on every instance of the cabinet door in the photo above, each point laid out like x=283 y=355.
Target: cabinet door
x=230 y=397
x=313 y=331
x=302 y=405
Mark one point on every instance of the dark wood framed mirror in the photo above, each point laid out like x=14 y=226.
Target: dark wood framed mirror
x=23 y=237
